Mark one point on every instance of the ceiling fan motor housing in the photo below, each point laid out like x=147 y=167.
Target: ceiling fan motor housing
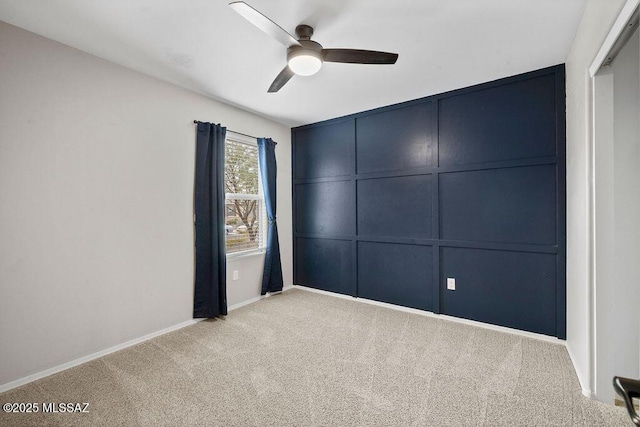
x=308 y=47
x=304 y=32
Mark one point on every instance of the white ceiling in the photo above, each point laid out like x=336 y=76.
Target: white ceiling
x=205 y=46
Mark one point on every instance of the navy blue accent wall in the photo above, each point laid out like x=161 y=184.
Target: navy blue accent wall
x=469 y=184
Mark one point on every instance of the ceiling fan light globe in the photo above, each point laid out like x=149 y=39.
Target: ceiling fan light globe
x=304 y=64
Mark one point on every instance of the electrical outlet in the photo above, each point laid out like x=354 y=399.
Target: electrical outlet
x=451 y=283
x=235 y=274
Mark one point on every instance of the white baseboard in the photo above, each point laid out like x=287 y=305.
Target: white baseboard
x=585 y=391
x=84 y=359
x=526 y=334
x=256 y=299
x=243 y=303
x=588 y=393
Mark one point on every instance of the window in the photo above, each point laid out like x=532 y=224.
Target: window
x=245 y=215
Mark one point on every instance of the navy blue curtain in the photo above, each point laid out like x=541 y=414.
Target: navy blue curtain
x=210 y=295
x=272 y=275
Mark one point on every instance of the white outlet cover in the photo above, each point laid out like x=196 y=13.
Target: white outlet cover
x=451 y=283
x=235 y=274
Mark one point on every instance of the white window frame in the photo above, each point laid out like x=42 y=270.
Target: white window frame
x=262 y=245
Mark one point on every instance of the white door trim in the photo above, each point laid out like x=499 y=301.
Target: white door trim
x=623 y=19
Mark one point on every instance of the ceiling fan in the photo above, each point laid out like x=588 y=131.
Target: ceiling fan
x=305 y=56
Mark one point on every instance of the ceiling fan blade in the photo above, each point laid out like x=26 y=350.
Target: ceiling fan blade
x=265 y=24
x=357 y=56
x=282 y=79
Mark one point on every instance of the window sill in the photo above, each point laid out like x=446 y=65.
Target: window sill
x=245 y=254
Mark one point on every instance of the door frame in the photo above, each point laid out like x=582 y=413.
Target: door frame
x=600 y=203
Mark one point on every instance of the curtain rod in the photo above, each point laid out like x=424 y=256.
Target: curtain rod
x=239 y=133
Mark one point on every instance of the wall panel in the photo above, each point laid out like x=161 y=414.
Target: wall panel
x=325 y=151
x=468 y=184
x=378 y=279
x=507 y=288
x=324 y=264
x=396 y=139
x=516 y=120
x=509 y=205
x=325 y=208
x=397 y=207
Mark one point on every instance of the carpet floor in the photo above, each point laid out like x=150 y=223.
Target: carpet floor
x=306 y=359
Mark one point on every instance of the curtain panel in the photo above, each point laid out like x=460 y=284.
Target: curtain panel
x=210 y=293
x=272 y=275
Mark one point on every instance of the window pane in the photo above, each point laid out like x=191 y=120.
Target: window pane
x=243 y=226
x=244 y=205
x=241 y=168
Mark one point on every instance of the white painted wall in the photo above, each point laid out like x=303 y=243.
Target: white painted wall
x=250 y=268
x=96 y=195
x=598 y=17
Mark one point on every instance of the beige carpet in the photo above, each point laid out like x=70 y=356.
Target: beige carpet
x=305 y=359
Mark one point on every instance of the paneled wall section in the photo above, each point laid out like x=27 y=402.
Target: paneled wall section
x=468 y=184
